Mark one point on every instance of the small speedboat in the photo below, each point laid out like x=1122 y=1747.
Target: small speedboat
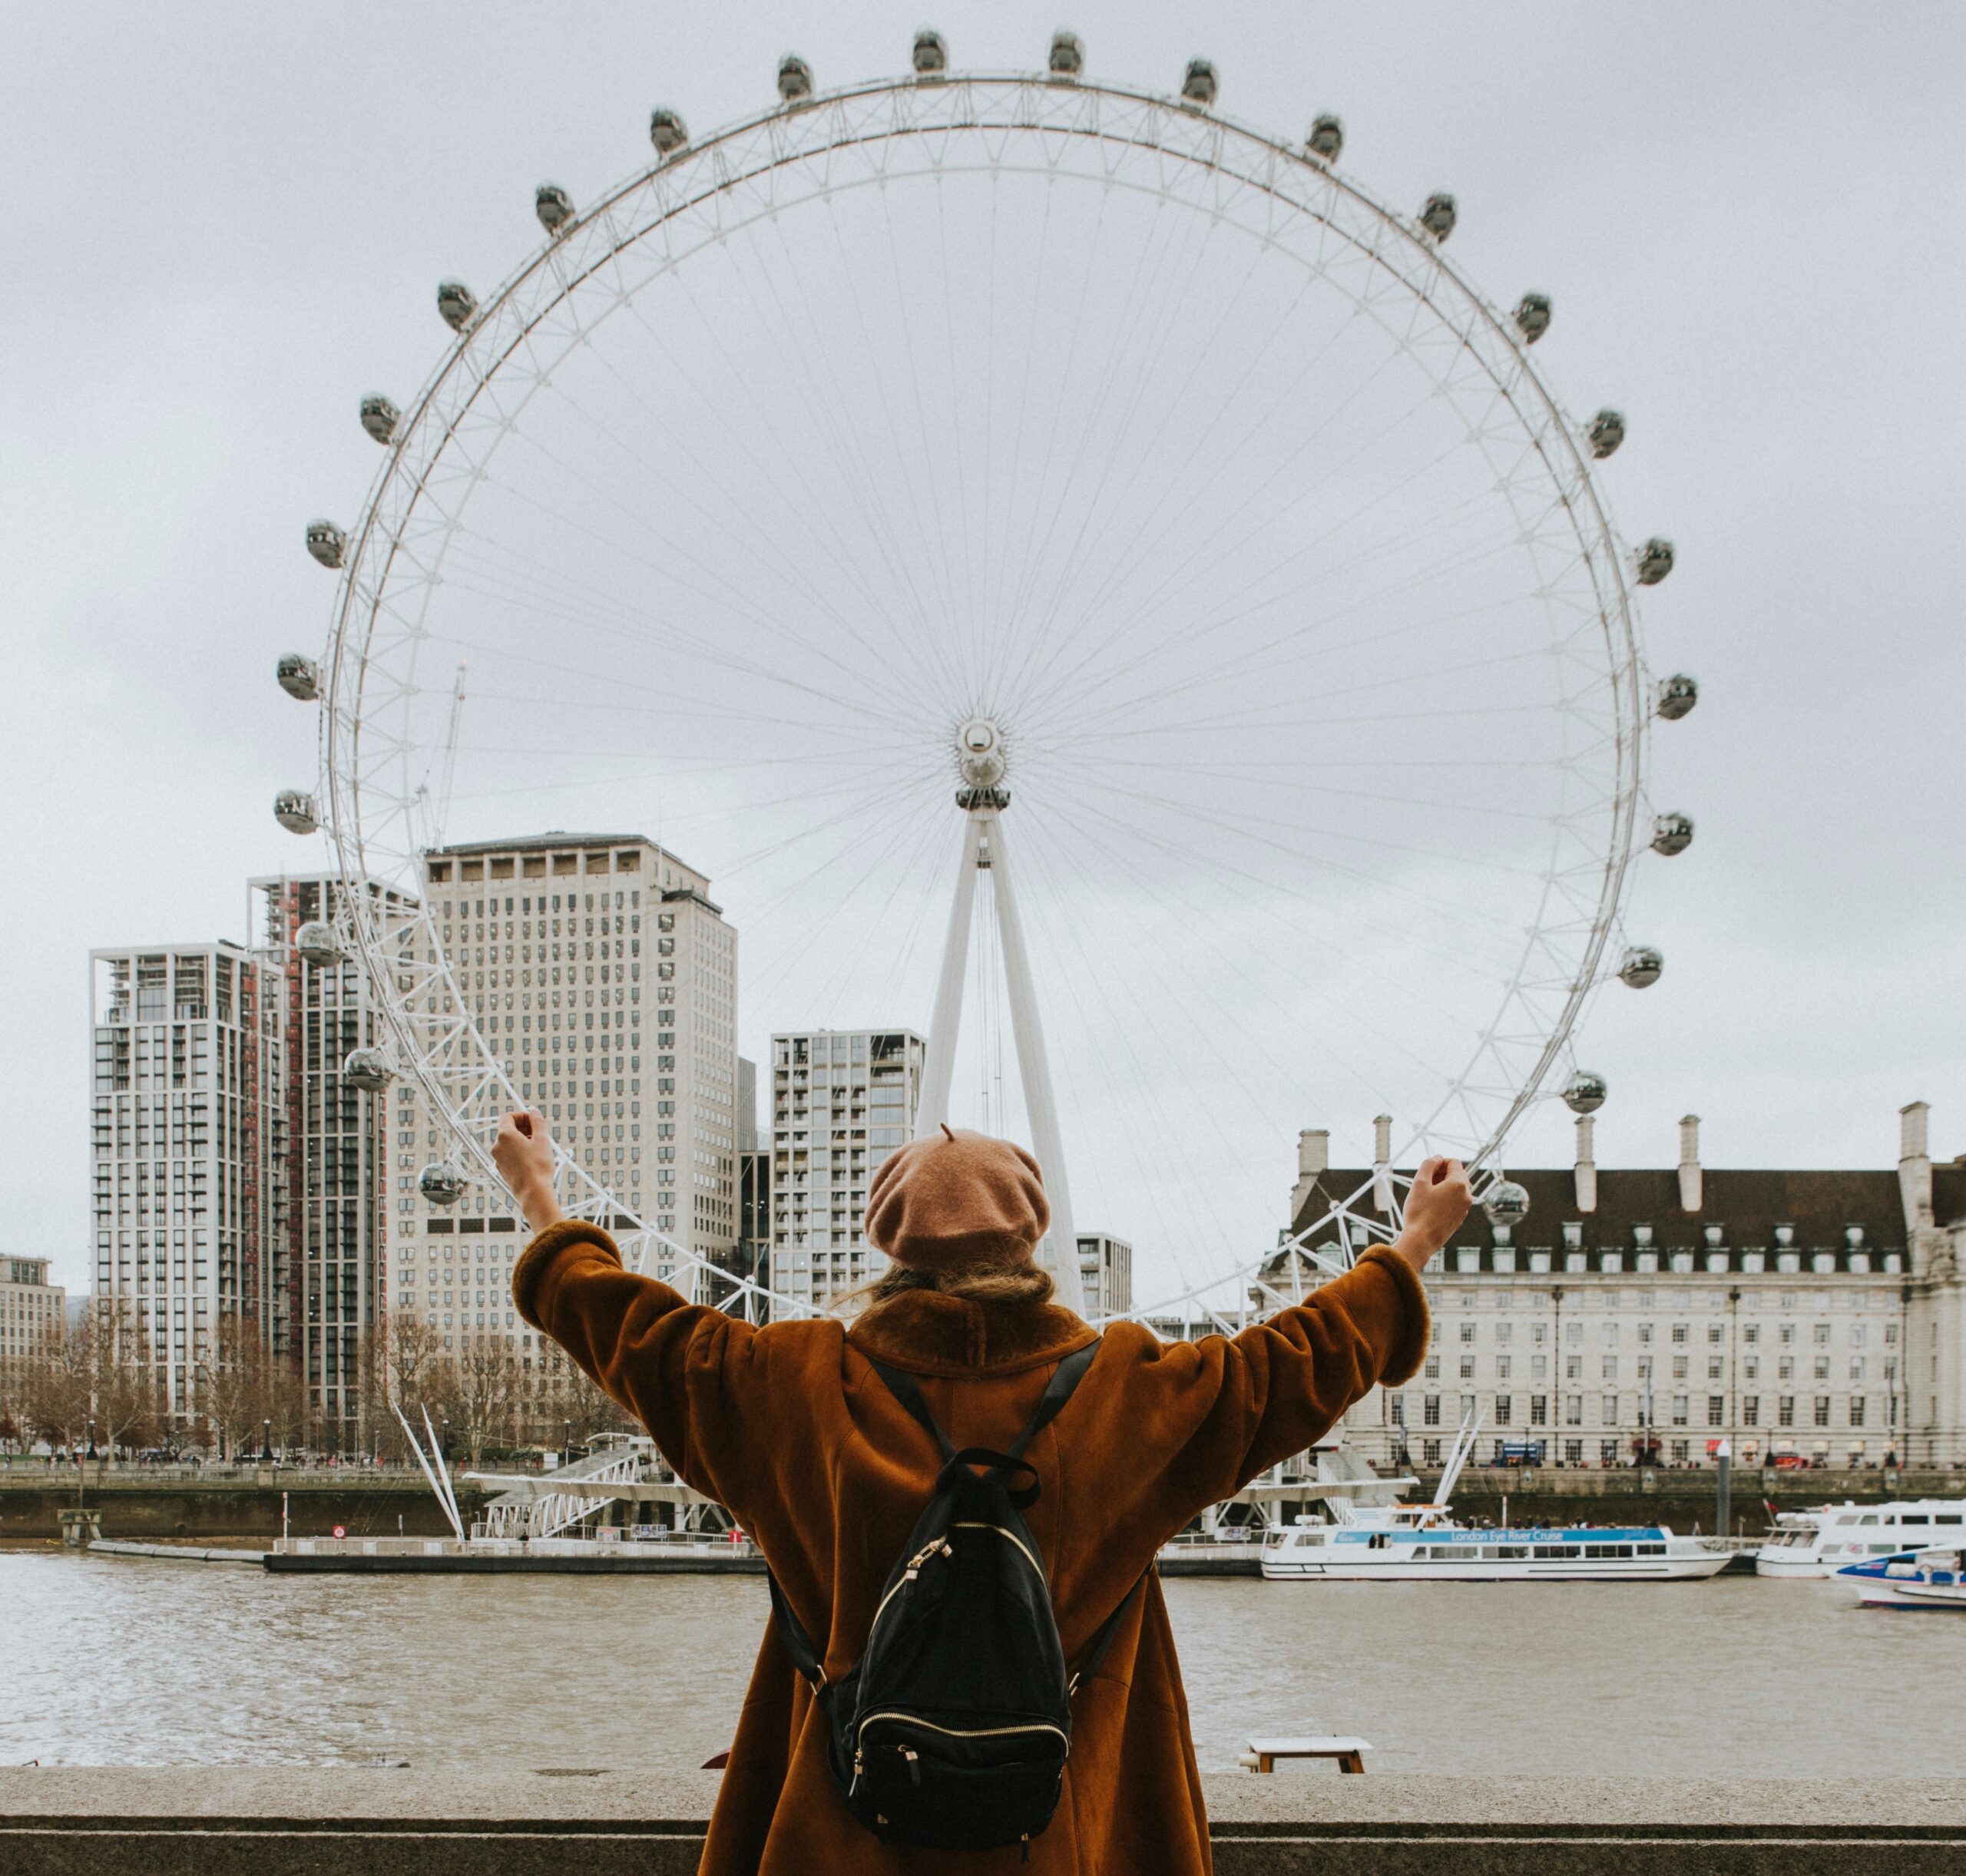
x=1911 y=1579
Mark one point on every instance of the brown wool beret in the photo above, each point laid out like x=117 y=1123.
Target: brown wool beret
x=956 y=1198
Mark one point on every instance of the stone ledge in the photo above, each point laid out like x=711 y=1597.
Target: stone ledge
x=346 y=1821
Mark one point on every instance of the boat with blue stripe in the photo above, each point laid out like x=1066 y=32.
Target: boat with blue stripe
x=1365 y=1534
x=1929 y=1578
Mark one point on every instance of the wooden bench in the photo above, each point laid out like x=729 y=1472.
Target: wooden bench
x=1263 y=1754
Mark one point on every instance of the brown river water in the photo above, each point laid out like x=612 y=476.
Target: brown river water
x=130 y=1661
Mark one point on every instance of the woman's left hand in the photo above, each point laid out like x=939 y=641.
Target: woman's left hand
x=523 y=1153
x=1436 y=1206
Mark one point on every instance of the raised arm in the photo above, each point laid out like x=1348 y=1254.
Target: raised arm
x=1255 y=1398
x=680 y=1369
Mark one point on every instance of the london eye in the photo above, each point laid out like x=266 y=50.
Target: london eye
x=1084 y=576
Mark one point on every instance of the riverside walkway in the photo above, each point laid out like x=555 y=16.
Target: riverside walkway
x=76 y=1820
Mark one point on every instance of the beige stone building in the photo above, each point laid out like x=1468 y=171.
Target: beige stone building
x=604 y=979
x=1808 y=1315
x=30 y=1306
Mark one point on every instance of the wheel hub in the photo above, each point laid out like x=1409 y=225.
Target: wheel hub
x=982 y=760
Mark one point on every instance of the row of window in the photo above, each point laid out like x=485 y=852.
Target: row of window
x=1505 y=1297
x=1614 y=1410
x=1469 y=1260
x=1857 y=1368
x=1821 y=1334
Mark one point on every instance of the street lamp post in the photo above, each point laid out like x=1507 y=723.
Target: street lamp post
x=1733 y=1434
x=1902 y=1393
x=266 y=1442
x=1557 y=1380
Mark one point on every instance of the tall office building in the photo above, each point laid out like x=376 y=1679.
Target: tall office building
x=841 y=1101
x=753 y=1257
x=188 y=1136
x=1106 y=1274
x=327 y=1265
x=603 y=977
x=30 y=1306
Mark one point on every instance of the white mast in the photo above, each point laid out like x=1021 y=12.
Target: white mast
x=1464 y=1446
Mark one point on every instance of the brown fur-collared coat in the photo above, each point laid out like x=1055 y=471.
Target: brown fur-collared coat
x=790 y=1428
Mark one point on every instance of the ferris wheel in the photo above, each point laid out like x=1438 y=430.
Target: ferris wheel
x=1082 y=576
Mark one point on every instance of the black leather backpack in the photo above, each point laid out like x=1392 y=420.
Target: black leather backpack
x=952 y=1729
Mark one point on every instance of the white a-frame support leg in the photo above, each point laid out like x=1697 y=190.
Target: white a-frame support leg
x=1060 y=1248
x=938 y=1071
x=983 y=846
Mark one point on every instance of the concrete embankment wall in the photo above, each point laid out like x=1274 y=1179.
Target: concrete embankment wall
x=133 y=1505
x=1573 y=1495
x=213 y=1822
x=1549 y=1495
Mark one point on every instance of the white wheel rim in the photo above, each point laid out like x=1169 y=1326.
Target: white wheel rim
x=864 y=136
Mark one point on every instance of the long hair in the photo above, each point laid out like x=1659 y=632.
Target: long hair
x=1026 y=1283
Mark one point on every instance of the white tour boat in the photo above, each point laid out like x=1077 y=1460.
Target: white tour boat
x=1368 y=1535
x=1927 y=1578
x=1825 y=1538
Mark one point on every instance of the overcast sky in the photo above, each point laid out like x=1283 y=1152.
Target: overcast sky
x=227 y=221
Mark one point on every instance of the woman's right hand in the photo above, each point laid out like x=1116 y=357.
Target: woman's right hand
x=1438 y=1203
x=523 y=1153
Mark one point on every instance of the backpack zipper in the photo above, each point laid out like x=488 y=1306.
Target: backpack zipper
x=978 y=1524
x=907 y=1575
x=952 y=1732
x=921 y=1557
x=913 y=1568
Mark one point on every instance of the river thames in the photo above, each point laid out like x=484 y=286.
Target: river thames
x=135 y=1662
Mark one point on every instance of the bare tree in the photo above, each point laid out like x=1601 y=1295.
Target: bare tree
x=485 y=1384
x=414 y=1353
x=364 y=1385
x=286 y=1405
x=232 y=1385
x=566 y=1404
x=402 y=1365
x=13 y=1401
x=54 y=1384
x=123 y=1388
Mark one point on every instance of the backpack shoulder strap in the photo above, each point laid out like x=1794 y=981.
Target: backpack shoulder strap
x=1058 y=1390
x=1102 y=1636
x=792 y=1636
x=900 y=1385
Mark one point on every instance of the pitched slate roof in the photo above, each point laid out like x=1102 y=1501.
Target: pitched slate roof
x=1746 y=1205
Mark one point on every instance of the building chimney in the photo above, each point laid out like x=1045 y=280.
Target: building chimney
x=1383 y=1164
x=1313 y=1157
x=1689 y=1189
x=1586 y=1169
x=1914 y=1174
